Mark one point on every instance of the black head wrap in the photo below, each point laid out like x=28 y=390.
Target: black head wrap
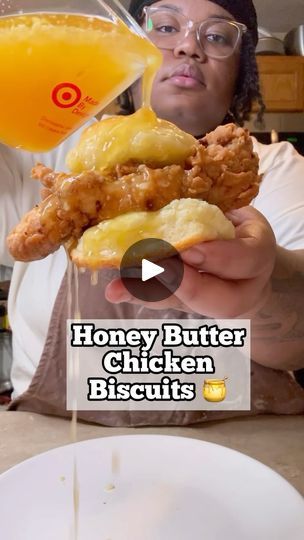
x=242 y=10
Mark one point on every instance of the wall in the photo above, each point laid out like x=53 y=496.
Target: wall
x=279 y=122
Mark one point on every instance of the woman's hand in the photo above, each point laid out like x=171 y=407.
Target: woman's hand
x=222 y=278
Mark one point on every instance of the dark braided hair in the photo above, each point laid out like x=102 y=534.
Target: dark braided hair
x=247 y=91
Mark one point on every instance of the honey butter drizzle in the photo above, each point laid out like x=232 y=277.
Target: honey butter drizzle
x=152 y=65
x=74 y=313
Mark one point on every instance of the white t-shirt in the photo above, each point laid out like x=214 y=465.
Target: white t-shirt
x=34 y=286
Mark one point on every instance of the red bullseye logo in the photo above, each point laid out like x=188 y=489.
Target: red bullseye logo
x=66 y=95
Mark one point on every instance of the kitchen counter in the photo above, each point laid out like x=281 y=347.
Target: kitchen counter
x=276 y=441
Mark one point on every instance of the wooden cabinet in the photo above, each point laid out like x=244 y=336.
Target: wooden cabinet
x=282 y=82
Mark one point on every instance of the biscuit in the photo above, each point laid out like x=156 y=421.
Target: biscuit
x=182 y=223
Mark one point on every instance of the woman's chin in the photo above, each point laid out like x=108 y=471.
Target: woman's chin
x=180 y=112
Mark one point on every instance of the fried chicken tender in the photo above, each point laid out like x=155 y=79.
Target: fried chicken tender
x=222 y=170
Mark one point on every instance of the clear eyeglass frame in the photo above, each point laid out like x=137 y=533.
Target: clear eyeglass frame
x=167 y=41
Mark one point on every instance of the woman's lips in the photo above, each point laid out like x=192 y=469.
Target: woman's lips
x=186 y=76
x=185 y=82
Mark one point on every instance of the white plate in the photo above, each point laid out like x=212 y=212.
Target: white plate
x=166 y=488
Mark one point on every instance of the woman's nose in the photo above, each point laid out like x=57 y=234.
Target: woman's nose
x=189 y=46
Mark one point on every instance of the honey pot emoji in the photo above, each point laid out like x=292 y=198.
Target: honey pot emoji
x=214 y=390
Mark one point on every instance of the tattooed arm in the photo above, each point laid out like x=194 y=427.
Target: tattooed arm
x=278 y=327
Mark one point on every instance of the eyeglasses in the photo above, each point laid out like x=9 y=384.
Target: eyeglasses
x=167 y=28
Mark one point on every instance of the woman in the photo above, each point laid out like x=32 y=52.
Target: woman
x=256 y=276
x=219 y=90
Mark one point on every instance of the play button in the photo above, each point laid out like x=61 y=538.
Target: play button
x=152 y=270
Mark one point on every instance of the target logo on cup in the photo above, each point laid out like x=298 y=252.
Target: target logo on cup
x=66 y=95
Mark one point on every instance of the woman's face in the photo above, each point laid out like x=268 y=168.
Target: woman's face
x=196 y=106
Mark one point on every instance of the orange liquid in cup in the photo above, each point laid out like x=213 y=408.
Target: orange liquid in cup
x=58 y=70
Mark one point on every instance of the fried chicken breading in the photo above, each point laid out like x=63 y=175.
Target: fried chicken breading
x=223 y=170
